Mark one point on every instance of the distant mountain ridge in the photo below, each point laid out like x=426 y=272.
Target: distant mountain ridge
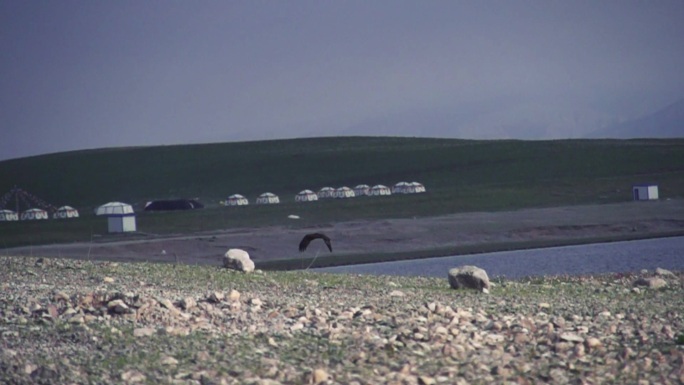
x=665 y=123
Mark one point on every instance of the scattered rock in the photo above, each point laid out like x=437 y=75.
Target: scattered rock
x=216 y=297
x=469 y=277
x=108 y=280
x=651 y=282
x=319 y=376
x=143 y=332
x=665 y=273
x=188 y=303
x=397 y=293
x=238 y=259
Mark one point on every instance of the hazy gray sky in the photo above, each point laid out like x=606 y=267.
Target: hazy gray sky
x=91 y=74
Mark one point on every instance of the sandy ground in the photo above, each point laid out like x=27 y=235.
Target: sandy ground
x=390 y=235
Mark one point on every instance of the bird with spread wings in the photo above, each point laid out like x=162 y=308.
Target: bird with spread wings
x=310 y=237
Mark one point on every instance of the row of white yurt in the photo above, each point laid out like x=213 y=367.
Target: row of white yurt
x=408 y=188
x=8 y=215
x=263 y=199
x=38 y=214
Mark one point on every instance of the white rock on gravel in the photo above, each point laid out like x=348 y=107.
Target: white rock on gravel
x=238 y=259
x=651 y=282
x=468 y=277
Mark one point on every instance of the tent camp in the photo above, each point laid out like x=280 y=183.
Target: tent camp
x=8 y=215
x=237 y=200
x=417 y=187
x=267 y=198
x=114 y=208
x=34 y=215
x=306 y=196
x=175 y=204
x=326 y=192
x=362 y=189
x=379 y=189
x=65 y=212
x=344 y=192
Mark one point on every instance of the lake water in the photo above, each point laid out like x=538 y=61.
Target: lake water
x=630 y=256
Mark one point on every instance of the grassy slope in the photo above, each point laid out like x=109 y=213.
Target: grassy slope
x=460 y=176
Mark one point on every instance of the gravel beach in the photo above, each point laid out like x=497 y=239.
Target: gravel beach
x=76 y=322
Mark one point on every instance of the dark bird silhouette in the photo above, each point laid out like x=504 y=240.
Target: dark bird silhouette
x=310 y=237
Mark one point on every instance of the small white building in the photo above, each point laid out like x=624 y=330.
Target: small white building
x=344 y=192
x=237 y=200
x=267 y=198
x=326 y=192
x=645 y=192
x=306 y=196
x=34 y=215
x=8 y=215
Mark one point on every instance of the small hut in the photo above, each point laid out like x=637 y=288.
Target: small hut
x=306 y=196
x=8 y=215
x=120 y=216
x=362 y=189
x=344 y=192
x=379 y=190
x=645 y=192
x=34 y=215
x=326 y=192
x=237 y=200
x=267 y=198
x=65 y=212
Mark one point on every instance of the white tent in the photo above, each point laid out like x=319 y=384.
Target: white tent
x=237 y=200
x=417 y=187
x=326 y=192
x=306 y=196
x=344 y=192
x=267 y=198
x=34 y=215
x=362 y=189
x=401 y=188
x=65 y=212
x=114 y=208
x=8 y=215
x=380 y=190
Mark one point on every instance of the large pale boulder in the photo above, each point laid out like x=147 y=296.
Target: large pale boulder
x=468 y=277
x=238 y=259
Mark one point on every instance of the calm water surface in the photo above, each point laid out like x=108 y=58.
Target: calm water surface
x=667 y=253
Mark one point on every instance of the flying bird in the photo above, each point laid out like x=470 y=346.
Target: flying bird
x=310 y=237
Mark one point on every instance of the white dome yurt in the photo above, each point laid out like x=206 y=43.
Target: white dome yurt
x=114 y=208
x=306 y=196
x=401 y=188
x=65 y=212
x=344 y=192
x=8 y=215
x=237 y=200
x=120 y=217
x=267 y=198
x=417 y=187
x=34 y=215
x=326 y=192
x=362 y=189
x=379 y=189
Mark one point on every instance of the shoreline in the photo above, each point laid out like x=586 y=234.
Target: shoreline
x=380 y=240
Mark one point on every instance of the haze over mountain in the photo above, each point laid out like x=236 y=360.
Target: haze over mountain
x=79 y=74
x=665 y=123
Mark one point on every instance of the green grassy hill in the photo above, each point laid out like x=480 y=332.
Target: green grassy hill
x=460 y=175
